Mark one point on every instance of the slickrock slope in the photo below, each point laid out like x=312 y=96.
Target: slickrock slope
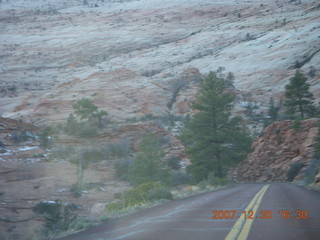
x=125 y=55
x=274 y=152
x=26 y=178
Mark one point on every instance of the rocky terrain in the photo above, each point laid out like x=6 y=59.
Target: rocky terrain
x=130 y=56
x=280 y=146
x=140 y=60
x=30 y=174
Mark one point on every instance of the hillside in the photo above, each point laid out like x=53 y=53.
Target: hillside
x=281 y=146
x=130 y=56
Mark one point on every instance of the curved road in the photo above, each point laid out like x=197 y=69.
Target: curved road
x=245 y=211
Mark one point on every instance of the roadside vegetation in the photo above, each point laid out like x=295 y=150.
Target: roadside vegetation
x=214 y=138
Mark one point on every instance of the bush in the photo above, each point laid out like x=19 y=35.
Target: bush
x=93 y=155
x=75 y=190
x=115 y=206
x=174 y=162
x=57 y=216
x=88 y=132
x=296 y=125
x=122 y=168
x=62 y=153
x=311 y=171
x=79 y=224
x=179 y=178
x=294 y=170
x=159 y=193
x=216 y=181
x=144 y=193
x=121 y=148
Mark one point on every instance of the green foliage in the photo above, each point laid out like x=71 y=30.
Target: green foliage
x=143 y=193
x=73 y=126
x=79 y=224
x=174 y=162
x=114 y=206
x=82 y=160
x=296 y=125
x=279 y=138
x=298 y=98
x=86 y=110
x=216 y=181
x=57 y=216
x=159 y=193
x=75 y=190
x=179 y=178
x=273 y=111
x=120 y=149
x=214 y=139
x=88 y=132
x=146 y=166
x=294 y=170
x=47 y=136
x=62 y=153
x=93 y=155
x=122 y=168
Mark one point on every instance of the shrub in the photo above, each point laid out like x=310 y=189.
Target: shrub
x=114 y=206
x=46 y=137
x=120 y=148
x=122 y=168
x=179 y=178
x=93 y=155
x=57 y=216
x=216 y=181
x=79 y=224
x=159 y=193
x=88 y=132
x=312 y=171
x=202 y=184
x=294 y=170
x=62 y=153
x=143 y=193
x=75 y=190
x=140 y=193
x=174 y=162
x=296 y=125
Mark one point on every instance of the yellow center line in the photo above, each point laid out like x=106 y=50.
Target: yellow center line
x=241 y=228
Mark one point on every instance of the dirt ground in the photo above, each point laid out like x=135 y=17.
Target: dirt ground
x=24 y=184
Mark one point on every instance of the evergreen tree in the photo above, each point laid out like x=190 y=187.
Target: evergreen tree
x=146 y=166
x=273 y=111
x=214 y=139
x=85 y=109
x=298 y=97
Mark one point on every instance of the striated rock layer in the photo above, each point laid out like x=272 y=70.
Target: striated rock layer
x=280 y=145
x=130 y=57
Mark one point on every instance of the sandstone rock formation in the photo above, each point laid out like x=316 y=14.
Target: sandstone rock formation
x=126 y=55
x=279 y=146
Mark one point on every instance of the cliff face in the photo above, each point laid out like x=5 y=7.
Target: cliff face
x=131 y=57
x=280 y=145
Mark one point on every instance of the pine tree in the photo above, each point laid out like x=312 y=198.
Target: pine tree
x=273 y=110
x=298 y=98
x=214 y=139
x=146 y=166
x=85 y=109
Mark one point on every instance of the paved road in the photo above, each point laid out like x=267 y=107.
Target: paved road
x=192 y=218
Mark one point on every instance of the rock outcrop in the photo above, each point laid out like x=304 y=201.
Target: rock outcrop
x=280 y=145
x=129 y=57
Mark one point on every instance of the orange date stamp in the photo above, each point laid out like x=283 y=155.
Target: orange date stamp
x=266 y=214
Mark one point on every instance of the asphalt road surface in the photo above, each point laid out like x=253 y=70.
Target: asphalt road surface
x=278 y=211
